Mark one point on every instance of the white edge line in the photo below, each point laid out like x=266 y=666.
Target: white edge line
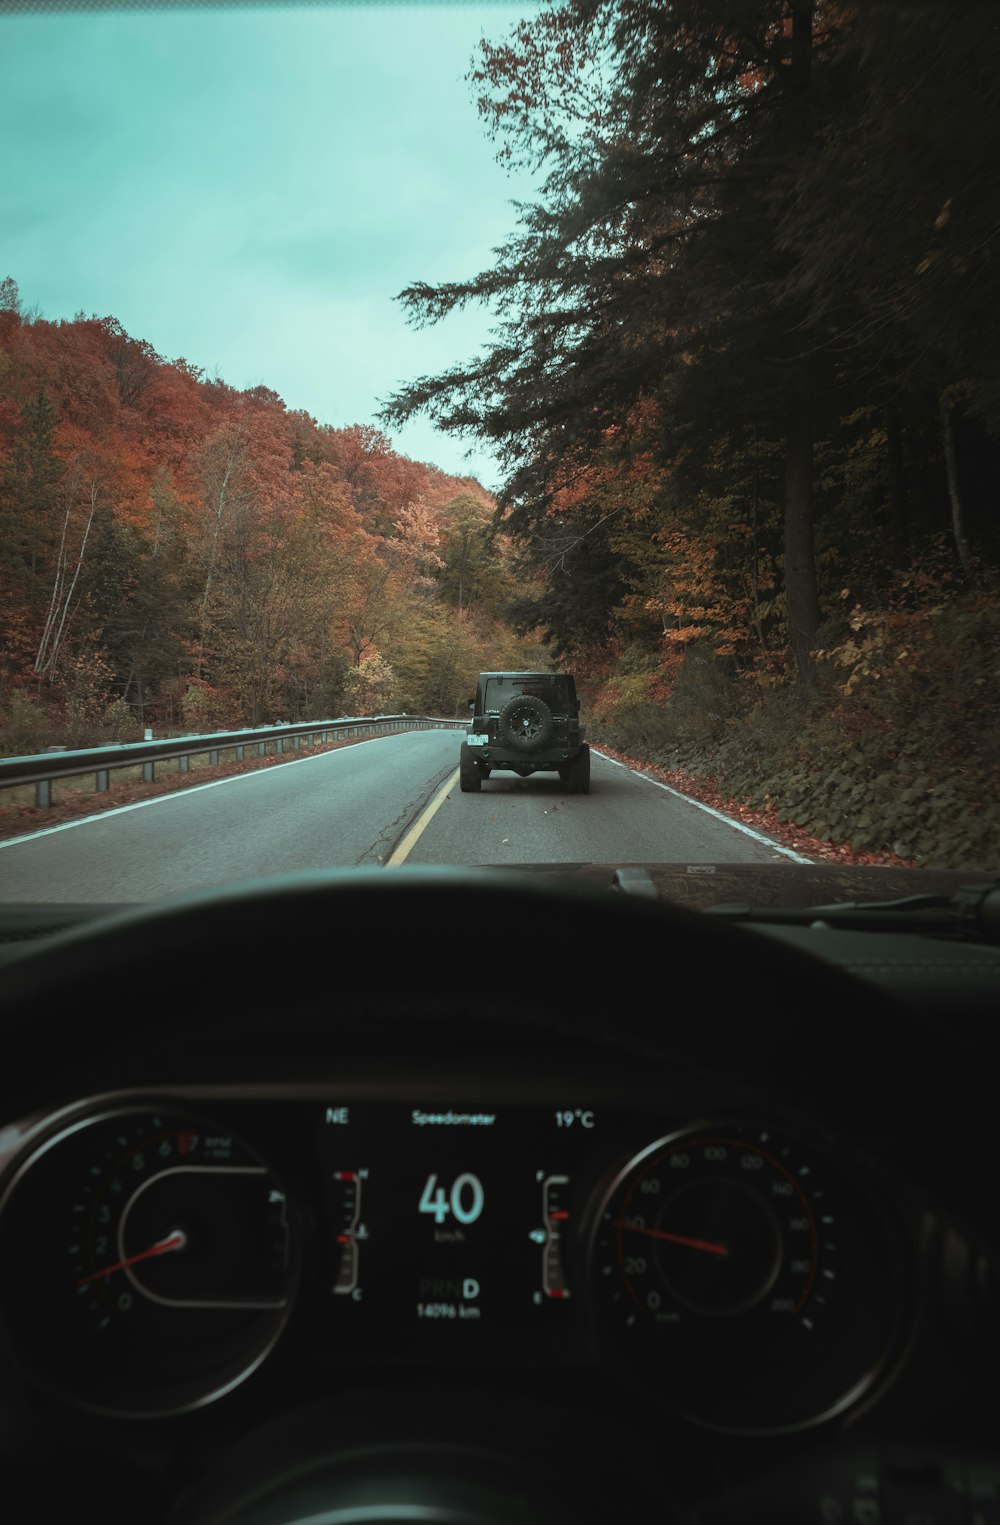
x=748 y=831
x=162 y=799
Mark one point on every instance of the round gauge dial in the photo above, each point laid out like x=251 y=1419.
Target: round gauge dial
x=718 y=1227
x=147 y=1261
x=725 y=1273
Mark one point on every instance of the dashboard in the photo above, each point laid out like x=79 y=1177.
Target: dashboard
x=748 y=1277
x=509 y=1244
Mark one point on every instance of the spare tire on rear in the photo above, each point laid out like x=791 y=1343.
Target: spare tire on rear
x=526 y=723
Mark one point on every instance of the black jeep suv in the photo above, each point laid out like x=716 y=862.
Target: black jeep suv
x=525 y=722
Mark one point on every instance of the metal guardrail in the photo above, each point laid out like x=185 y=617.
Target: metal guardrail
x=43 y=768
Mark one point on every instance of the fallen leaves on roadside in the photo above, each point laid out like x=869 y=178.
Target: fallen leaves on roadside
x=707 y=791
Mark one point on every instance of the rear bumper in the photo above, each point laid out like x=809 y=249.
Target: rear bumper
x=502 y=757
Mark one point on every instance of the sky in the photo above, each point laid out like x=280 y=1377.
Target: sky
x=251 y=189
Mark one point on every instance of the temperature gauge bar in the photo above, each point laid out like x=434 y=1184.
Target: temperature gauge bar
x=555 y=1215
x=347 y=1193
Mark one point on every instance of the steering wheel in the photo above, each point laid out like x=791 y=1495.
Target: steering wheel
x=585 y=954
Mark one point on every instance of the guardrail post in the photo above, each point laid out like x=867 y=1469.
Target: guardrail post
x=279 y=745
x=148 y=772
x=262 y=749
x=240 y=753
x=101 y=781
x=213 y=758
x=43 y=794
x=184 y=763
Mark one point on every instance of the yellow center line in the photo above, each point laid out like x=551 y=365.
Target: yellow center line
x=420 y=825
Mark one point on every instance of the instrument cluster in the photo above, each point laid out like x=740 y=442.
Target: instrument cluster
x=156 y=1250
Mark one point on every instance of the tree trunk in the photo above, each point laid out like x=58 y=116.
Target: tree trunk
x=899 y=540
x=954 y=492
x=756 y=620
x=801 y=598
x=801 y=58
x=61 y=602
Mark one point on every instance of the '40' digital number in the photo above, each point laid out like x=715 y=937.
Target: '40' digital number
x=464 y=1200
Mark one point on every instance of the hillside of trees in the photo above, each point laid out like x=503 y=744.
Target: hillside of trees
x=746 y=389
x=179 y=554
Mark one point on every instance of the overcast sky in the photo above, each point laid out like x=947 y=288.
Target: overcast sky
x=251 y=189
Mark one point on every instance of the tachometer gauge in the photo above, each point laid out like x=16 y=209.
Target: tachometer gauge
x=748 y=1282
x=147 y=1261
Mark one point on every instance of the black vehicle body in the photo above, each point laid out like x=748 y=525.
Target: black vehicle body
x=524 y=723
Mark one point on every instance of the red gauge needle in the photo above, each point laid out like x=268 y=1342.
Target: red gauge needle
x=174 y=1241
x=707 y=1245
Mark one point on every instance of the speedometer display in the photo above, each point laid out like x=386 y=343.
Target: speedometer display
x=723 y=1275
x=720 y=1227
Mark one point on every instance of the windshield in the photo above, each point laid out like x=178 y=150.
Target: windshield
x=554 y=691
x=350 y=353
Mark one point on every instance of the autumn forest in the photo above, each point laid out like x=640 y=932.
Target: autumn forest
x=178 y=554
x=745 y=391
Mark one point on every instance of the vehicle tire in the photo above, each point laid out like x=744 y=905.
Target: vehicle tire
x=470 y=780
x=579 y=772
x=526 y=723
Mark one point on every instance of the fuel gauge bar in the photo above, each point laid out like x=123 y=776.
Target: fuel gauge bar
x=555 y=1215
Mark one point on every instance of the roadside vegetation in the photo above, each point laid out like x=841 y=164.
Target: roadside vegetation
x=747 y=388
x=896 y=754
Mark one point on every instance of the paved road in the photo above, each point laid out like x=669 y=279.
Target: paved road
x=626 y=818
x=353 y=806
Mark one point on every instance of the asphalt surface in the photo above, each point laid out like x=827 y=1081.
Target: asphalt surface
x=355 y=806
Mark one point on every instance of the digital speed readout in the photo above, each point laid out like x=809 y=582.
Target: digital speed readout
x=445 y=1219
